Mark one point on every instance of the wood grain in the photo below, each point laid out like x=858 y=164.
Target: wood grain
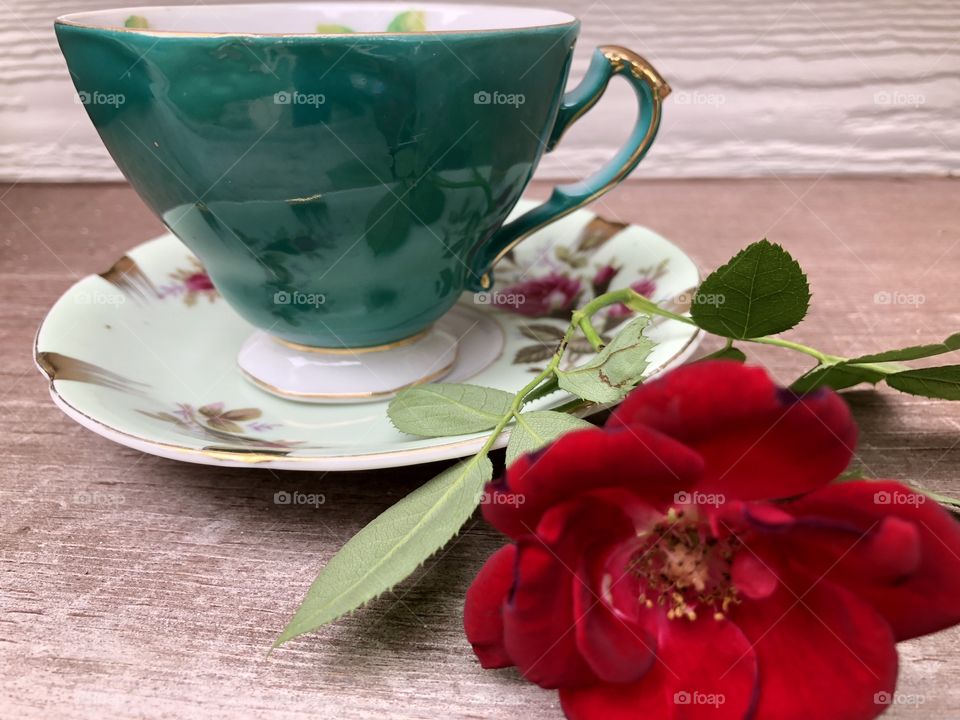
x=761 y=86
x=161 y=599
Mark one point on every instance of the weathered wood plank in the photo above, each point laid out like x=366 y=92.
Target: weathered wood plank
x=765 y=86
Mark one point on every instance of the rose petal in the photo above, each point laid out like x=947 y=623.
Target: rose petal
x=617 y=649
x=553 y=604
x=704 y=669
x=598 y=518
x=646 y=462
x=888 y=544
x=482 y=610
x=753 y=576
x=758 y=441
x=538 y=620
x=825 y=655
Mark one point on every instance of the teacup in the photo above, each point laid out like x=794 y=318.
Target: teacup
x=344 y=170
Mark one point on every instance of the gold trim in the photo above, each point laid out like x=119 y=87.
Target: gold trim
x=294 y=395
x=63 y=367
x=620 y=58
x=248 y=456
x=126 y=276
x=353 y=351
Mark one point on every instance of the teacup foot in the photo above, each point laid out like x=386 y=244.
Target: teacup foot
x=345 y=375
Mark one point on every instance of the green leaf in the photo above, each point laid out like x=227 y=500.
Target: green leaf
x=136 y=21
x=950 y=503
x=538 y=428
x=761 y=291
x=410 y=21
x=615 y=370
x=442 y=409
x=854 y=474
x=548 y=387
x=936 y=382
x=726 y=353
x=838 y=377
x=391 y=547
x=914 y=352
x=331 y=29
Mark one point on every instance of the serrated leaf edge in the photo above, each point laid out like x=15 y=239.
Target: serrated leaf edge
x=287 y=635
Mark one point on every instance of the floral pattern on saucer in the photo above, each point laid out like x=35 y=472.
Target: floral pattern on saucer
x=145 y=355
x=190 y=284
x=214 y=422
x=573 y=278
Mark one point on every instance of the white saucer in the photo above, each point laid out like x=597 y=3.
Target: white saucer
x=145 y=354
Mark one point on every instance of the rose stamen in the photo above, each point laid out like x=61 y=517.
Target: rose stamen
x=684 y=571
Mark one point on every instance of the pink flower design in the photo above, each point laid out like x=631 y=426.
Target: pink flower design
x=191 y=284
x=198 y=282
x=603 y=278
x=646 y=287
x=554 y=295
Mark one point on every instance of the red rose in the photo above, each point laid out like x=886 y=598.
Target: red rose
x=692 y=559
x=551 y=295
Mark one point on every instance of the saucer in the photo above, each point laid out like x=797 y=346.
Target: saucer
x=145 y=353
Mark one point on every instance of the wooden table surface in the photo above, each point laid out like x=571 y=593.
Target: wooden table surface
x=164 y=606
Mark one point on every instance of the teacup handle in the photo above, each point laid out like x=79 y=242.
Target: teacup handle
x=651 y=89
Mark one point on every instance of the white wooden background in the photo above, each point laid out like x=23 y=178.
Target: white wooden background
x=761 y=87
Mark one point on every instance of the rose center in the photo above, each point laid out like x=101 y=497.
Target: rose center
x=683 y=568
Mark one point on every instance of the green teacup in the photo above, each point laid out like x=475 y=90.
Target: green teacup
x=344 y=170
